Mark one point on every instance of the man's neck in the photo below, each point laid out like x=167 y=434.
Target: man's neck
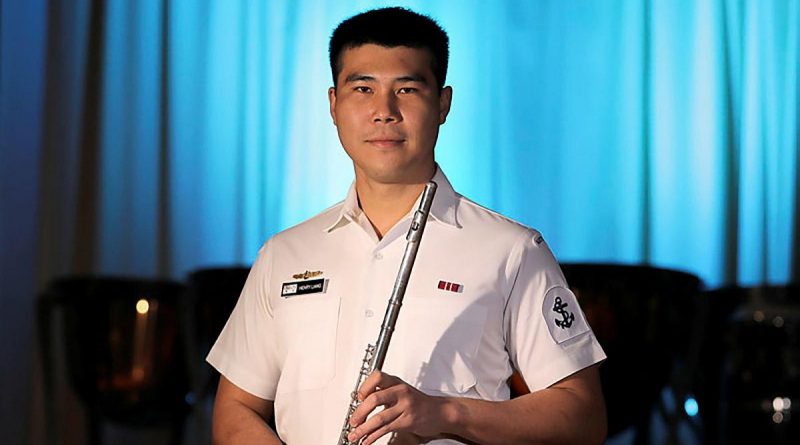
x=385 y=204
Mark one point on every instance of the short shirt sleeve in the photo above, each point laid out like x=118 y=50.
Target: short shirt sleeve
x=547 y=335
x=245 y=351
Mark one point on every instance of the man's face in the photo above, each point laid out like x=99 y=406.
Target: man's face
x=387 y=109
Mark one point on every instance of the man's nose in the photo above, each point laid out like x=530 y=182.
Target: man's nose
x=386 y=108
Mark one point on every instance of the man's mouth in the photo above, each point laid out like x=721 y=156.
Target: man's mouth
x=385 y=142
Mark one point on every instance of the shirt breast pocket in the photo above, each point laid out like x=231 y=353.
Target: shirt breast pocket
x=308 y=326
x=437 y=343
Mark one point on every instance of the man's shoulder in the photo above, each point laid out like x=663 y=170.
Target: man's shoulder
x=474 y=216
x=316 y=225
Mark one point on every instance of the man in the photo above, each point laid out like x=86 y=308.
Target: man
x=485 y=296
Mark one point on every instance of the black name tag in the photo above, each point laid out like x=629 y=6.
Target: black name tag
x=303 y=287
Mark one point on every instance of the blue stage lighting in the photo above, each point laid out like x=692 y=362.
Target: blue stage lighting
x=691 y=407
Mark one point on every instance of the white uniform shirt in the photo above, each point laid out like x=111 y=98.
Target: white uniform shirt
x=485 y=296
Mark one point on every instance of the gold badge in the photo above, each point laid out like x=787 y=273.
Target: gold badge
x=307 y=274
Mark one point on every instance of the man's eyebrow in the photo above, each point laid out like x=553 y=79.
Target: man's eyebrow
x=356 y=77
x=418 y=78
x=412 y=78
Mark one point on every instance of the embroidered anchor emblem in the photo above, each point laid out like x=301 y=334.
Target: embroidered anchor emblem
x=568 y=317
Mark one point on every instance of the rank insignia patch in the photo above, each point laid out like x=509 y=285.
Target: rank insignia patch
x=562 y=314
x=303 y=287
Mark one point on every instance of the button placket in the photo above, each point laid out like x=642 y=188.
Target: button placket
x=377 y=255
x=374 y=291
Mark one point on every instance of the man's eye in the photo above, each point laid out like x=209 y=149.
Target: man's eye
x=362 y=89
x=406 y=90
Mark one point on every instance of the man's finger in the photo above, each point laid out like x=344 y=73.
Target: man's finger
x=376 y=426
x=377 y=434
x=375 y=381
x=385 y=397
x=369 y=386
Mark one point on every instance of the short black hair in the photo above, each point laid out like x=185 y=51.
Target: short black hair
x=391 y=27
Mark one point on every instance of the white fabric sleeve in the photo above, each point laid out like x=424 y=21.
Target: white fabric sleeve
x=547 y=335
x=245 y=351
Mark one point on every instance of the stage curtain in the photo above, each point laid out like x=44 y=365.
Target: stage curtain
x=180 y=135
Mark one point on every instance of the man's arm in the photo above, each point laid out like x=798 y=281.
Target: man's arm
x=240 y=417
x=570 y=411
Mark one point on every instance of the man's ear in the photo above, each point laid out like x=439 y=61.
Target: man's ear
x=332 y=101
x=445 y=99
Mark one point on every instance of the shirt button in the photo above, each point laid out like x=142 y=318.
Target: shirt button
x=368 y=313
x=378 y=256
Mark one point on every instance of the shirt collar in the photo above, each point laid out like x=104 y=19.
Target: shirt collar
x=443 y=209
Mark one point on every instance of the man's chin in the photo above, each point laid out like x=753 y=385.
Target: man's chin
x=395 y=175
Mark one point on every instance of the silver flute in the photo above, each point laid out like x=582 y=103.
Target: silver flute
x=376 y=354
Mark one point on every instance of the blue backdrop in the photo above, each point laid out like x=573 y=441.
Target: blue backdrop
x=154 y=137
x=662 y=132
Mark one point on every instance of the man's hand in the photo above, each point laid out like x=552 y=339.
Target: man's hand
x=406 y=409
x=569 y=411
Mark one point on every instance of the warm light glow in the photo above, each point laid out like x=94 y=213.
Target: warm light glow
x=781 y=404
x=142 y=306
x=138 y=374
x=777 y=417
